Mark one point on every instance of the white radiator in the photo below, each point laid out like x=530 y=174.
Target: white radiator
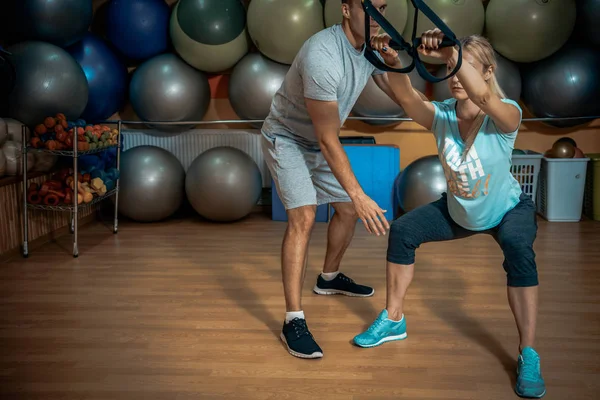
x=188 y=145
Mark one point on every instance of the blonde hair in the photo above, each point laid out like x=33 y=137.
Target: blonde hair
x=483 y=51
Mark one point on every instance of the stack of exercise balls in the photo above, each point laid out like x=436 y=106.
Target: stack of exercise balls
x=161 y=56
x=222 y=184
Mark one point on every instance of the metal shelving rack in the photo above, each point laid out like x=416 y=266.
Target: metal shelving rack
x=74 y=208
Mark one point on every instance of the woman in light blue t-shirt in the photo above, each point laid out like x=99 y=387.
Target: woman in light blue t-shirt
x=475 y=132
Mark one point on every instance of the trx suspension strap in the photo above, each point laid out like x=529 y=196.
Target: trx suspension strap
x=398 y=43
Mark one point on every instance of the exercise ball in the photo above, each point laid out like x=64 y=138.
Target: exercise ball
x=152 y=182
x=211 y=21
x=279 y=28
x=2 y=163
x=14 y=130
x=13 y=153
x=529 y=30
x=252 y=85
x=3 y=132
x=395 y=13
x=165 y=88
x=562 y=149
x=374 y=102
x=49 y=81
x=420 y=183
x=139 y=29
x=463 y=17
x=106 y=76
x=216 y=45
x=223 y=184
x=59 y=22
x=565 y=84
x=588 y=21
x=507 y=74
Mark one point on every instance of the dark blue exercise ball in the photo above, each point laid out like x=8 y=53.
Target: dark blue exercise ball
x=106 y=75
x=566 y=84
x=139 y=29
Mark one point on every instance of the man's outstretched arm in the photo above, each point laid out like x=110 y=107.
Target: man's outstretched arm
x=327 y=124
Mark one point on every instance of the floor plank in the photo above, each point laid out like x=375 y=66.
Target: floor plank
x=187 y=309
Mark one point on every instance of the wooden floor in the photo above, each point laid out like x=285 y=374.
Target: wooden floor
x=191 y=310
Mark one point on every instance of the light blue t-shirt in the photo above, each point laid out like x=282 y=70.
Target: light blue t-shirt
x=481 y=187
x=328 y=68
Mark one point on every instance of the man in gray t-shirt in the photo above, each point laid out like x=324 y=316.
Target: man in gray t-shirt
x=309 y=166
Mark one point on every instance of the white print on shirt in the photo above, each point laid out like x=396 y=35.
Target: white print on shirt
x=464 y=177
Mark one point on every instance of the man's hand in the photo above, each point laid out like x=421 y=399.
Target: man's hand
x=326 y=121
x=371 y=215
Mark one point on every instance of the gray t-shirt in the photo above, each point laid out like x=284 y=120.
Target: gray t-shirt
x=327 y=68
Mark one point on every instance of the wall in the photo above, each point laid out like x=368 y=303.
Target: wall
x=412 y=140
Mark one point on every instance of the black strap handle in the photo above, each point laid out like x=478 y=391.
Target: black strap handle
x=399 y=44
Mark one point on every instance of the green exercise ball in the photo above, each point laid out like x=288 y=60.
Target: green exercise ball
x=212 y=21
x=279 y=28
x=207 y=57
x=463 y=17
x=529 y=30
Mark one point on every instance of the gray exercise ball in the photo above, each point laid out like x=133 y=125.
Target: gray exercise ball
x=49 y=81
x=252 y=85
x=507 y=74
x=566 y=84
x=165 y=88
x=374 y=102
x=60 y=22
x=420 y=183
x=151 y=184
x=223 y=184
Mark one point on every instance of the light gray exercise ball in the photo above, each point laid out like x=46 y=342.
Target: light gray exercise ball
x=223 y=184
x=420 y=183
x=507 y=74
x=165 y=88
x=252 y=85
x=151 y=184
x=374 y=102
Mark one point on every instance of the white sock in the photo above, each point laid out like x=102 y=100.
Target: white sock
x=293 y=314
x=329 y=275
x=398 y=320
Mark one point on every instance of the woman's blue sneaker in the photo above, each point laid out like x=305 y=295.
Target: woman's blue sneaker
x=381 y=331
x=530 y=383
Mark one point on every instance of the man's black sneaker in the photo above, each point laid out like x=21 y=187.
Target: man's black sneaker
x=341 y=284
x=299 y=340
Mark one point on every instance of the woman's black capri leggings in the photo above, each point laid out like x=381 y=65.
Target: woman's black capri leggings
x=432 y=223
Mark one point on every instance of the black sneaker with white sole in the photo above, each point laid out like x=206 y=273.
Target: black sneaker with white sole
x=341 y=284
x=299 y=340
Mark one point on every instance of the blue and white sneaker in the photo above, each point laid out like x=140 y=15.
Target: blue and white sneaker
x=381 y=331
x=530 y=383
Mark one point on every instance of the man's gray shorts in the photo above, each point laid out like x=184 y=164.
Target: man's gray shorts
x=302 y=176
